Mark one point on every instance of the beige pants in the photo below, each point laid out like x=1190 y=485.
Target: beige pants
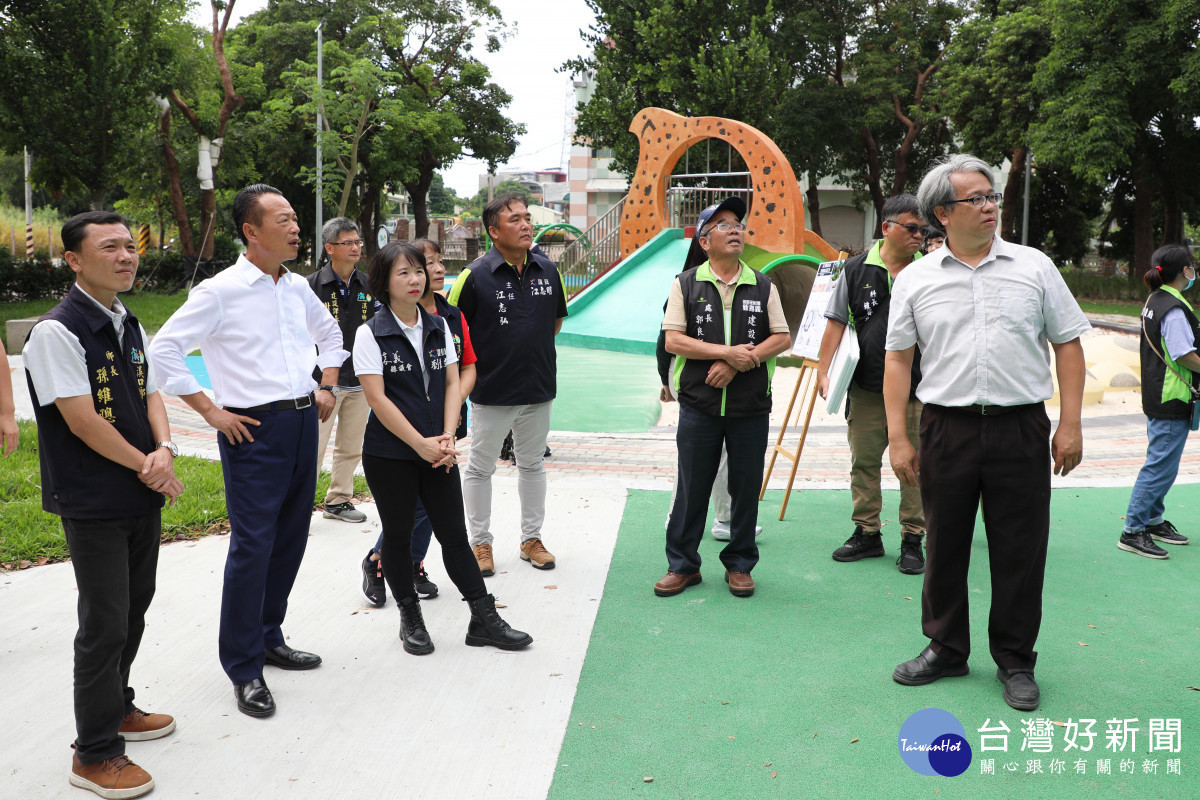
x=350 y=412
x=867 y=434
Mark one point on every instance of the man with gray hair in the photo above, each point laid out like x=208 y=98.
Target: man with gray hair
x=982 y=311
x=861 y=298
x=343 y=290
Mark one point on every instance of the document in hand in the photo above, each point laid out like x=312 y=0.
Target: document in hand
x=841 y=369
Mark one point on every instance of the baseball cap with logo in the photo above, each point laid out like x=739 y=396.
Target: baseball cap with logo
x=696 y=255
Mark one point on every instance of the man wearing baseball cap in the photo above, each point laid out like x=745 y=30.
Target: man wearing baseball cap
x=725 y=325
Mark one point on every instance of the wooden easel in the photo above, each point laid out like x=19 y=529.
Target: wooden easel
x=808 y=372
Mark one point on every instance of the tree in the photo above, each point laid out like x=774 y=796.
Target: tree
x=79 y=75
x=1121 y=95
x=210 y=126
x=895 y=65
x=842 y=87
x=436 y=103
x=442 y=199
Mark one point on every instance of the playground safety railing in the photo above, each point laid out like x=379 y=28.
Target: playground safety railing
x=587 y=257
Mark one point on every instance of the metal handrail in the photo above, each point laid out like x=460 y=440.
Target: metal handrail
x=594 y=252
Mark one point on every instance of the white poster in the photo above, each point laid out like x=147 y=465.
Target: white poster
x=812 y=324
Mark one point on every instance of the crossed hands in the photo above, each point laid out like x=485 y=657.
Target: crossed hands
x=738 y=358
x=439 y=451
x=158 y=473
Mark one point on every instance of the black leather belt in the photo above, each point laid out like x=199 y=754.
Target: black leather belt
x=278 y=405
x=981 y=410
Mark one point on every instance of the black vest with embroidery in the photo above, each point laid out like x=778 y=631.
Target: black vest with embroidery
x=870 y=297
x=350 y=312
x=404 y=385
x=453 y=319
x=78 y=482
x=1154 y=371
x=749 y=393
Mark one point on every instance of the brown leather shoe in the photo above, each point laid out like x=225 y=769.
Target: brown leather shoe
x=740 y=583
x=138 y=726
x=536 y=554
x=673 y=583
x=483 y=555
x=114 y=778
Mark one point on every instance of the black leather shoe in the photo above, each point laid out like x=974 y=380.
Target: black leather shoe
x=1020 y=689
x=285 y=657
x=927 y=668
x=254 y=698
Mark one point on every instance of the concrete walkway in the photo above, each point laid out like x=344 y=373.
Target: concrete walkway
x=374 y=721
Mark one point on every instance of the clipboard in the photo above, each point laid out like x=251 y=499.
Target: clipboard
x=841 y=369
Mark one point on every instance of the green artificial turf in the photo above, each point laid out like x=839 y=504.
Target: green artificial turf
x=789 y=694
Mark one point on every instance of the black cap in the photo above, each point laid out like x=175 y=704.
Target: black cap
x=696 y=255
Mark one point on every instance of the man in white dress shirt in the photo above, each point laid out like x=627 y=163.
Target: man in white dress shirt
x=985 y=313
x=256 y=324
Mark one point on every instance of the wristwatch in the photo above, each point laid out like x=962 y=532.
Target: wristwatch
x=171 y=446
x=333 y=390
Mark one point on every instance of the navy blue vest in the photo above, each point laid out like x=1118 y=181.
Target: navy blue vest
x=404 y=385
x=78 y=482
x=350 y=313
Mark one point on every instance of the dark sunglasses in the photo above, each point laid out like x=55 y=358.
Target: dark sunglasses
x=912 y=229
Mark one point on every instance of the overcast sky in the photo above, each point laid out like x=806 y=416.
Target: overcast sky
x=547 y=34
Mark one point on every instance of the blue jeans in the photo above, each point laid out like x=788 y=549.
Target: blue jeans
x=422 y=533
x=1147 y=503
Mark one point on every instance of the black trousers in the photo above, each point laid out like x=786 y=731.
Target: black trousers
x=1003 y=461
x=115 y=562
x=396 y=484
x=699 y=440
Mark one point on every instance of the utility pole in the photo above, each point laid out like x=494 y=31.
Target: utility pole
x=1025 y=210
x=320 y=161
x=28 y=207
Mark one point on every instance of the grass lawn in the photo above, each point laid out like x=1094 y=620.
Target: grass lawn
x=1109 y=307
x=151 y=309
x=29 y=535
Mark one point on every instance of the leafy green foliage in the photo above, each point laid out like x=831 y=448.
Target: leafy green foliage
x=78 y=76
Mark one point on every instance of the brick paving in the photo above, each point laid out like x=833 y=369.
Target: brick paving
x=1114 y=444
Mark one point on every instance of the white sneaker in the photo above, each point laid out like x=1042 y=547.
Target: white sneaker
x=721 y=532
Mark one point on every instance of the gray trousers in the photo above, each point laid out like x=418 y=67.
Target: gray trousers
x=489 y=426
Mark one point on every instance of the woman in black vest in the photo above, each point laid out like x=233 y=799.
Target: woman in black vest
x=1170 y=332
x=406 y=362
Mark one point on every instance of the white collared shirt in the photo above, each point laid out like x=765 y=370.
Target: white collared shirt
x=984 y=332
x=57 y=363
x=368 y=358
x=256 y=335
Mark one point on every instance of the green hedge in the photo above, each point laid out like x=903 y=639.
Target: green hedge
x=1112 y=288
x=39 y=277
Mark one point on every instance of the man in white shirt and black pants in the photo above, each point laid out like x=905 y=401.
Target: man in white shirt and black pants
x=982 y=311
x=256 y=323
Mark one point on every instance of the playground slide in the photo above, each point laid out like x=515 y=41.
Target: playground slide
x=622 y=310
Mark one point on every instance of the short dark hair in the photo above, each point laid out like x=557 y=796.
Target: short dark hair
x=422 y=243
x=246 y=207
x=74 y=231
x=1166 y=264
x=901 y=204
x=491 y=212
x=379 y=273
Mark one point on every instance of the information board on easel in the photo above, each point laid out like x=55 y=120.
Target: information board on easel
x=808 y=347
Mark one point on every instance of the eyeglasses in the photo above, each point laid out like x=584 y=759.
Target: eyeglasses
x=350 y=243
x=912 y=229
x=978 y=200
x=725 y=227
